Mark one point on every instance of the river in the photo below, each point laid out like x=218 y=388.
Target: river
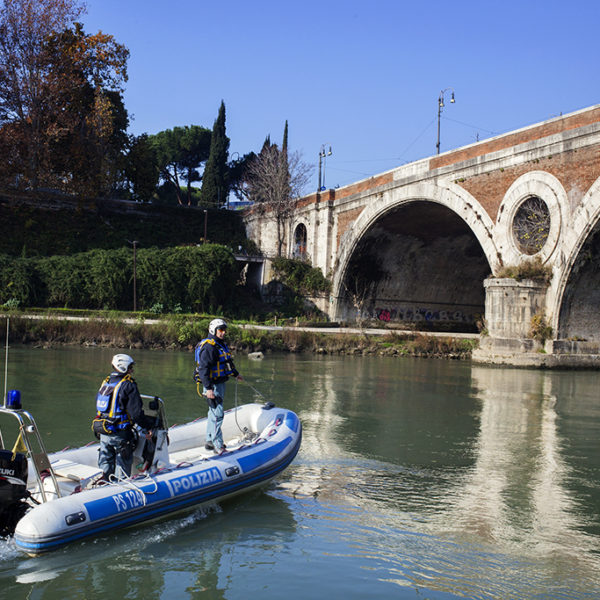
x=417 y=478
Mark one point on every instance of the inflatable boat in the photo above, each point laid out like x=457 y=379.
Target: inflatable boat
x=49 y=500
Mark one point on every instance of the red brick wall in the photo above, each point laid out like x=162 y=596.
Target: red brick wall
x=355 y=188
x=574 y=169
x=345 y=219
x=520 y=137
x=577 y=168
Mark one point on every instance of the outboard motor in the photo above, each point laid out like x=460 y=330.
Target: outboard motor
x=13 y=490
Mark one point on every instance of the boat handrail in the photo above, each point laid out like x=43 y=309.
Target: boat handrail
x=40 y=460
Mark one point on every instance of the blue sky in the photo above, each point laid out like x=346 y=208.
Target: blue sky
x=363 y=77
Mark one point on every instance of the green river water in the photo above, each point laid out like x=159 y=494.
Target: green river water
x=425 y=479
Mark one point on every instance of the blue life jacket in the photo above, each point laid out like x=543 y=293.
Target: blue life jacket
x=224 y=366
x=109 y=407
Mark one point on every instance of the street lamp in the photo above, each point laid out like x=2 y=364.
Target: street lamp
x=322 y=154
x=205 y=220
x=134 y=243
x=440 y=106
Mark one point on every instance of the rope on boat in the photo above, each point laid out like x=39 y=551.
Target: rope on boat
x=120 y=478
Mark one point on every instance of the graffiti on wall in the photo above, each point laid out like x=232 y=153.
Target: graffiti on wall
x=420 y=314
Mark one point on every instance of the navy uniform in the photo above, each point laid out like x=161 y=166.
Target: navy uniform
x=214 y=366
x=119 y=407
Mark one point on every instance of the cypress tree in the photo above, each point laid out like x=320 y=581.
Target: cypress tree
x=214 y=181
x=284 y=146
x=284 y=156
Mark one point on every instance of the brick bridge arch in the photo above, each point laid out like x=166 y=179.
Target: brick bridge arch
x=450 y=196
x=477 y=191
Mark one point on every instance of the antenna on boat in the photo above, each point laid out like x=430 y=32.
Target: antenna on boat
x=6 y=363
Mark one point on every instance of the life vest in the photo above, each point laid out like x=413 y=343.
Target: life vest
x=110 y=410
x=224 y=366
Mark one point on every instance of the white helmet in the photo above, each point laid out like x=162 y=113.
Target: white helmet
x=216 y=324
x=122 y=362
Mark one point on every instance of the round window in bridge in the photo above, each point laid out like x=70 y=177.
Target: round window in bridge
x=531 y=225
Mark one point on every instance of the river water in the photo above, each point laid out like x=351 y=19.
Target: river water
x=417 y=478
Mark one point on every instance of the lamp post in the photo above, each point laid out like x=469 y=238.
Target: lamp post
x=440 y=106
x=205 y=220
x=322 y=154
x=134 y=243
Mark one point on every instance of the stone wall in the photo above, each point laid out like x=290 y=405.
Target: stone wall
x=510 y=306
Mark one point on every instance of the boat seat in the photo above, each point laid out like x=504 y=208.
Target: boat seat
x=191 y=455
x=75 y=471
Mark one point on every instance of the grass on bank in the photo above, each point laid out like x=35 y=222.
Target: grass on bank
x=184 y=331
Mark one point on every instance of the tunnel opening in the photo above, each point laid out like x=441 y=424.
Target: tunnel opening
x=419 y=266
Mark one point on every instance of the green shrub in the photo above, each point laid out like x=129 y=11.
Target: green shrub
x=300 y=276
x=528 y=269
x=540 y=330
x=18 y=280
x=197 y=277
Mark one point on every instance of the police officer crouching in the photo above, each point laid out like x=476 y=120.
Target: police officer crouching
x=119 y=407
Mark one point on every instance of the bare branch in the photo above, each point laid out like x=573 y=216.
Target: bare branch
x=531 y=225
x=275 y=182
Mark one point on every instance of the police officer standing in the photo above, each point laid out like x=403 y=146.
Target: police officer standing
x=214 y=366
x=119 y=407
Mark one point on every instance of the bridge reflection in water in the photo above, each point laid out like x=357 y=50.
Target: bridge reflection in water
x=495 y=505
x=518 y=491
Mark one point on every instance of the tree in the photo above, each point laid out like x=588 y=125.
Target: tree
x=236 y=175
x=362 y=277
x=214 y=181
x=180 y=152
x=62 y=116
x=88 y=128
x=25 y=25
x=275 y=181
x=141 y=168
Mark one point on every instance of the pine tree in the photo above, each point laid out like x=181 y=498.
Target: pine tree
x=214 y=181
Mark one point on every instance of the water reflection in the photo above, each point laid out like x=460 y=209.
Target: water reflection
x=517 y=496
x=471 y=459
x=416 y=478
x=193 y=552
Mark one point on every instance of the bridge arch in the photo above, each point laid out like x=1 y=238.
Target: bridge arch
x=419 y=219
x=574 y=294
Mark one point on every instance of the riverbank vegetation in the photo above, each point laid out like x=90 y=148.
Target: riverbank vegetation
x=182 y=332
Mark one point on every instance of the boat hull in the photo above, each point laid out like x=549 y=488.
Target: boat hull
x=173 y=489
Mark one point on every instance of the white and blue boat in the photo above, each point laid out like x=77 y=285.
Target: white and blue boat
x=49 y=500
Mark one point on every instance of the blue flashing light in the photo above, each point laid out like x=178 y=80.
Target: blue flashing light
x=13 y=399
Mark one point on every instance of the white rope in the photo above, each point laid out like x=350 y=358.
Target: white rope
x=120 y=478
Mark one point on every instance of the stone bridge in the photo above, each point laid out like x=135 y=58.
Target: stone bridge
x=437 y=243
